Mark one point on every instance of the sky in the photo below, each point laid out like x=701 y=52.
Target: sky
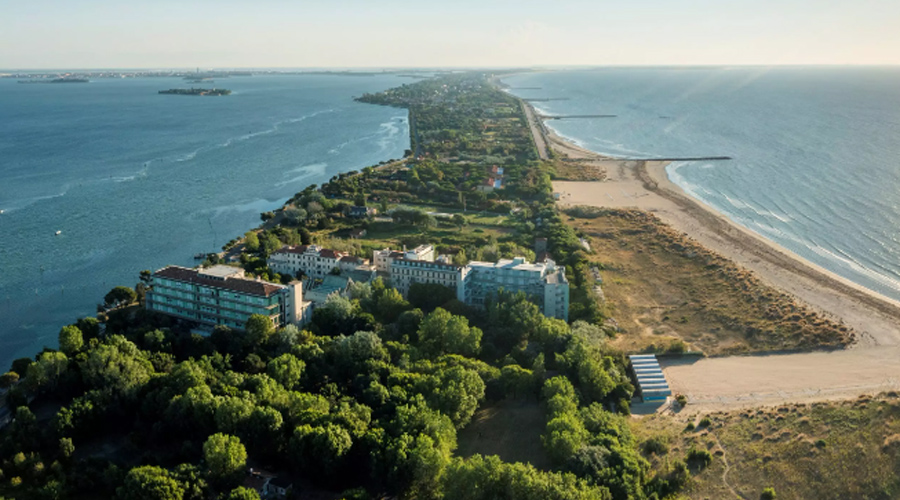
x=38 y=34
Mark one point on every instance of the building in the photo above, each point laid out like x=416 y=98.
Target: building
x=358 y=212
x=544 y=282
x=278 y=487
x=382 y=258
x=357 y=233
x=312 y=260
x=222 y=295
x=404 y=272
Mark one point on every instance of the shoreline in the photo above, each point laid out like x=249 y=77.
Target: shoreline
x=645 y=185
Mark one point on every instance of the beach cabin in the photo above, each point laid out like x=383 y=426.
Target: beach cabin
x=651 y=382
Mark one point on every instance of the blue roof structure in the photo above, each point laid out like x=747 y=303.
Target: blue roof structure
x=650 y=378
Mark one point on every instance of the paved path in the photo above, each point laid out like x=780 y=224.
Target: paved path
x=536 y=132
x=712 y=384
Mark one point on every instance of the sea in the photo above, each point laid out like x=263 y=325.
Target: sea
x=135 y=180
x=816 y=150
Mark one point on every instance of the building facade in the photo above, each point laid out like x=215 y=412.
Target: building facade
x=382 y=258
x=312 y=260
x=222 y=295
x=544 y=282
x=405 y=272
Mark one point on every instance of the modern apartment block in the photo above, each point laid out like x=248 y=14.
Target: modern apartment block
x=222 y=295
x=314 y=261
x=543 y=281
x=382 y=258
x=474 y=283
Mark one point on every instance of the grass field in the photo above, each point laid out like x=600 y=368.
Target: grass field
x=510 y=429
x=820 y=451
x=661 y=287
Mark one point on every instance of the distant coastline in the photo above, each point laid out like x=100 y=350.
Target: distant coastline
x=197 y=92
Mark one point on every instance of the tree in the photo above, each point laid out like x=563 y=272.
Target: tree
x=251 y=242
x=70 y=340
x=242 y=493
x=90 y=327
x=286 y=370
x=360 y=200
x=295 y=215
x=391 y=304
x=321 y=448
x=267 y=216
x=428 y=296
x=444 y=333
x=259 y=329
x=118 y=296
x=150 y=483
x=460 y=221
x=8 y=379
x=66 y=448
x=305 y=236
x=225 y=456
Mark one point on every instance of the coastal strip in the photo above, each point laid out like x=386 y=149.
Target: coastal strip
x=644 y=184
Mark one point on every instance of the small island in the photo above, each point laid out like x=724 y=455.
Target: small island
x=193 y=91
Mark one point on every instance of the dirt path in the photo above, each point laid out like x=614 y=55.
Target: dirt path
x=713 y=384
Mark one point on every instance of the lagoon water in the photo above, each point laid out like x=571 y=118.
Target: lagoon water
x=135 y=180
x=816 y=151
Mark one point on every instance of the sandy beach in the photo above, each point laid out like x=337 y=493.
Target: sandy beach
x=645 y=185
x=867 y=366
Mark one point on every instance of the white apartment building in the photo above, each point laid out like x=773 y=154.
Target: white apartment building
x=312 y=260
x=382 y=258
x=543 y=281
x=405 y=272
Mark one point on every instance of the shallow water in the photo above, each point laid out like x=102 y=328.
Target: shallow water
x=816 y=151
x=135 y=180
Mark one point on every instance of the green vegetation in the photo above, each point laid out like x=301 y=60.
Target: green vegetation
x=825 y=451
x=371 y=397
x=701 y=299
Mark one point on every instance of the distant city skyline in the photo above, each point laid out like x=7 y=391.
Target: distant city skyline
x=55 y=34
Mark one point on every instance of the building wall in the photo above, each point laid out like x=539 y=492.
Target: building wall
x=310 y=262
x=213 y=306
x=406 y=272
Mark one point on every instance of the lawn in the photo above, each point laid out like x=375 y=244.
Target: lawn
x=510 y=429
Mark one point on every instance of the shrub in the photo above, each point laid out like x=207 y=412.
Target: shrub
x=682 y=400
x=690 y=426
x=768 y=494
x=655 y=445
x=705 y=422
x=699 y=457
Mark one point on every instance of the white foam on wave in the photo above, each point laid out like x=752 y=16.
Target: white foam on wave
x=305 y=171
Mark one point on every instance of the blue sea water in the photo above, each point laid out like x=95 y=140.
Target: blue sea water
x=816 y=150
x=136 y=180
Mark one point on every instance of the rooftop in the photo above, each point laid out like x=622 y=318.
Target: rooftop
x=237 y=284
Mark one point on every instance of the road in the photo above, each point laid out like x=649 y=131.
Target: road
x=713 y=384
x=536 y=131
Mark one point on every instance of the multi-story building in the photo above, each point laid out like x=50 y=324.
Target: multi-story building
x=382 y=258
x=222 y=295
x=544 y=282
x=312 y=260
x=404 y=272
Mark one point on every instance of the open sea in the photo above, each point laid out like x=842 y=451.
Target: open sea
x=816 y=150
x=135 y=180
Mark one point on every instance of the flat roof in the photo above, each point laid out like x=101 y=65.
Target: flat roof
x=221 y=271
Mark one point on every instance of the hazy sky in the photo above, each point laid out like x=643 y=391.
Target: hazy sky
x=379 y=33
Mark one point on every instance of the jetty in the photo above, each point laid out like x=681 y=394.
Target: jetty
x=566 y=117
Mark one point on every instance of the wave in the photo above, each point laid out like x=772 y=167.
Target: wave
x=307 y=171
